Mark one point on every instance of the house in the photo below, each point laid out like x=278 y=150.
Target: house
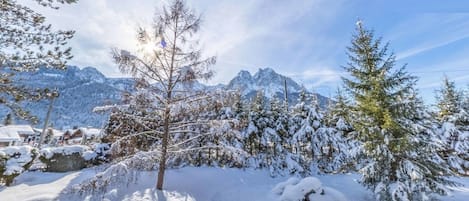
x=76 y=136
x=16 y=135
x=57 y=135
x=91 y=133
x=52 y=136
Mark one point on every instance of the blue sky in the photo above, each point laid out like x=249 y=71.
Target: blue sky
x=304 y=39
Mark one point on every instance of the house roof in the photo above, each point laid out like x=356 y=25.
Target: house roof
x=12 y=132
x=91 y=132
x=88 y=131
x=56 y=133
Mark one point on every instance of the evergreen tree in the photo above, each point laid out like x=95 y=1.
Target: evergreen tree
x=275 y=137
x=322 y=138
x=130 y=128
x=255 y=142
x=8 y=120
x=240 y=110
x=344 y=151
x=386 y=121
x=466 y=99
x=449 y=101
x=302 y=129
x=27 y=42
x=453 y=124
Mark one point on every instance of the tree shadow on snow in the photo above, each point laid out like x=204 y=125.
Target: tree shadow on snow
x=160 y=196
x=36 y=178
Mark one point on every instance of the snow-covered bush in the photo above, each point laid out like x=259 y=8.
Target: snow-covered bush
x=102 y=151
x=14 y=161
x=122 y=173
x=309 y=189
x=67 y=158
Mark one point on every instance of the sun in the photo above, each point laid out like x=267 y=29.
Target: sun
x=147 y=48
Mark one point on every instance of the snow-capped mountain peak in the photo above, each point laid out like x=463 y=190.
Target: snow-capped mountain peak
x=266 y=79
x=83 y=89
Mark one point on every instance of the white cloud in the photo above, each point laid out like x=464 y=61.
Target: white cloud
x=319 y=78
x=228 y=31
x=429 y=31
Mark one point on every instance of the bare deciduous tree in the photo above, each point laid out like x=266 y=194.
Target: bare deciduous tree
x=167 y=60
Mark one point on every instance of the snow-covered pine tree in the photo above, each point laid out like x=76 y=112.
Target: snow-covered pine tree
x=254 y=140
x=215 y=143
x=240 y=111
x=130 y=127
x=466 y=98
x=344 y=150
x=27 y=42
x=169 y=58
x=449 y=101
x=453 y=124
x=386 y=120
x=322 y=139
x=229 y=135
x=274 y=137
x=302 y=129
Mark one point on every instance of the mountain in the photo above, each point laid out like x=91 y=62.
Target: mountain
x=272 y=83
x=80 y=90
x=83 y=89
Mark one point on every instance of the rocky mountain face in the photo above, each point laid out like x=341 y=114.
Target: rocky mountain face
x=83 y=89
x=272 y=83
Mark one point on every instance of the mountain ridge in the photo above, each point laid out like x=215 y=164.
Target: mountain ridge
x=83 y=89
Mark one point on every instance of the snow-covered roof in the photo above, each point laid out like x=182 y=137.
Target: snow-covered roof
x=55 y=132
x=89 y=132
x=12 y=132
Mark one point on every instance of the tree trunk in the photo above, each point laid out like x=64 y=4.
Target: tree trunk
x=167 y=113
x=162 y=167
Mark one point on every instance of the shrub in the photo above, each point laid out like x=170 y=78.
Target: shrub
x=15 y=160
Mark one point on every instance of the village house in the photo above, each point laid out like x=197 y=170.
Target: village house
x=81 y=135
x=12 y=135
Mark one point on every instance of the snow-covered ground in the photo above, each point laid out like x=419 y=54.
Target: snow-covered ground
x=188 y=184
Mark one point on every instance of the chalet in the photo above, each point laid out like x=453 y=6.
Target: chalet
x=76 y=136
x=17 y=134
x=52 y=136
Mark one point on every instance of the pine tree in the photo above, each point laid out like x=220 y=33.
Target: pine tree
x=453 y=121
x=27 y=43
x=386 y=121
x=255 y=142
x=344 y=151
x=8 y=120
x=240 y=110
x=449 y=101
x=130 y=128
x=302 y=129
x=272 y=139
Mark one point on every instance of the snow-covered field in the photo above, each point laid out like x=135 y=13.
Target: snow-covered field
x=186 y=184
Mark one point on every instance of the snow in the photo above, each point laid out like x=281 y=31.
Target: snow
x=52 y=75
x=69 y=150
x=89 y=155
x=42 y=185
x=91 y=132
x=190 y=183
x=12 y=132
x=295 y=190
x=56 y=133
x=18 y=156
